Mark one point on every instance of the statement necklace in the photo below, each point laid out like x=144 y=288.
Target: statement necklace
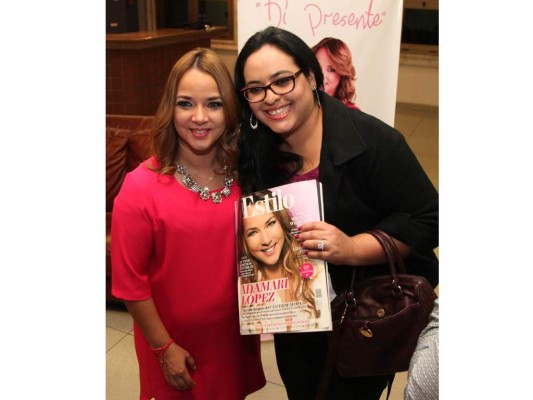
x=216 y=197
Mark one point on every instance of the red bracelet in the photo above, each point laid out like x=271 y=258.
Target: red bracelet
x=160 y=351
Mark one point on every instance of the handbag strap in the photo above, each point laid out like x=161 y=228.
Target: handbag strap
x=391 y=251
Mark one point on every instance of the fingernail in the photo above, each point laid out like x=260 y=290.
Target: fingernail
x=296 y=236
x=299 y=228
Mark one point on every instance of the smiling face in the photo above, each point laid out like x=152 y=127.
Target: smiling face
x=264 y=238
x=287 y=113
x=331 y=76
x=199 y=113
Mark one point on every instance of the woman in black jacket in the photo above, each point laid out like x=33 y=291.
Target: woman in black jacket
x=291 y=131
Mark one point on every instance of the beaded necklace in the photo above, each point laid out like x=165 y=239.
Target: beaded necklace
x=190 y=183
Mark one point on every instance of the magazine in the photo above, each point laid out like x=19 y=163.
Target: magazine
x=280 y=288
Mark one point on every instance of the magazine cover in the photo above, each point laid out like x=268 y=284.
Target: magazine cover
x=280 y=288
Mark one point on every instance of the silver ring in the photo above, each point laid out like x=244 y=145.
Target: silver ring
x=320 y=245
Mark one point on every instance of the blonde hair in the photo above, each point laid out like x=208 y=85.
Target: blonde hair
x=289 y=258
x=165 y=140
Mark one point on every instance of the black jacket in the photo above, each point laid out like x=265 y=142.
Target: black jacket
x=371 y=178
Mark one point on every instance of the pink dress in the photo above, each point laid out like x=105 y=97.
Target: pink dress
x=351 y=105
x=169 y=244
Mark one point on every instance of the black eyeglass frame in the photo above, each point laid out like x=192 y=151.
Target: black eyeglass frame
x=269 y=86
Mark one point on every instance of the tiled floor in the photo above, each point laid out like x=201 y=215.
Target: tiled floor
x=420 y=126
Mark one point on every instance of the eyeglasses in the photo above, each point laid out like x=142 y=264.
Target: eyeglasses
x=280 y=86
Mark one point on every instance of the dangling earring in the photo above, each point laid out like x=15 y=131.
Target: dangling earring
x=317 y=97
x=252 y=124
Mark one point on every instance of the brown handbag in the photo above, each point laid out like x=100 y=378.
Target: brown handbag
x=377 y=321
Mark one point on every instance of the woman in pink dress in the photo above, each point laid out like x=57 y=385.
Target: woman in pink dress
x=173 y=244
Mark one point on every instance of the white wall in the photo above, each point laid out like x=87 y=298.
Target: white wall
x=418 y=79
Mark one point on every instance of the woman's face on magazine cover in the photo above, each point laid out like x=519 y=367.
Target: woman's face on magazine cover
x=331 y=76
x=264 y=237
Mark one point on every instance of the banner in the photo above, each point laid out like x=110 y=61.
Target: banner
x=370 y=28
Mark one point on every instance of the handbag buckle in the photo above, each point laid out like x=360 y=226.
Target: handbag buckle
x=365 y=330
x=396 y=289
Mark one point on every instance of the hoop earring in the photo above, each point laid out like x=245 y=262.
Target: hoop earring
x=252 y=124
x=317 y=97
